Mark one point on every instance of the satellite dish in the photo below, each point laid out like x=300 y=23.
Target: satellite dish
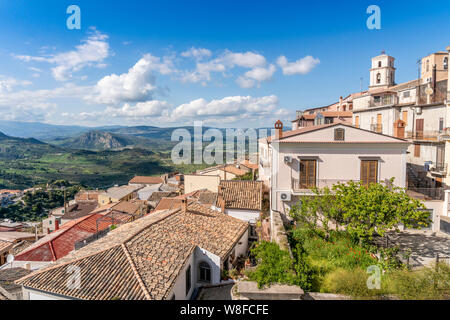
x=9 y=258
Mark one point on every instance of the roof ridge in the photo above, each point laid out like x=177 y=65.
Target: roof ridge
x=55 y=266
x=62 y=230
x=136 y=273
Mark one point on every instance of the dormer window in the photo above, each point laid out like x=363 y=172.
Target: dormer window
x=339 y=134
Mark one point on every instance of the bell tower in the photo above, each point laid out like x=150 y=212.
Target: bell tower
x=382 y=73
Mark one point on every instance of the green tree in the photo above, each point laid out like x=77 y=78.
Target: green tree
x=365 y=210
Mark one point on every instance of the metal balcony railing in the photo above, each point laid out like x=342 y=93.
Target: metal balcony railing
x=427 y=135
x=425 y=193
x=302 y=186
x=438 y=167
x=378 y=127
x=383 y=101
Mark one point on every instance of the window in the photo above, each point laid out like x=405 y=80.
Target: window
x=204 y=272
x=188 y=280
x=405 y=117
x=378 y=77
x=417 y=150
x=377 y=99
x=446 y=63
x=379 y=64
x=173 y=297
x=307 y=174
x=369 y=171
x=406 y=94
x=441 y=124
x=339 y=134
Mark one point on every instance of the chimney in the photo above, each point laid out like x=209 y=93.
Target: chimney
x=340 y=103
x=56 y=224
x=220 y=200
x=434 y=80
x=28 y=266
x=278 y=130
x=184 y=205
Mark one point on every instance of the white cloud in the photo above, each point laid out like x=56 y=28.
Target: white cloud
x=226 y=110
x=256 y=76
x=197 y=53
x=34 y=105
x=137 y=85
x=245 y=83
x=224 y=62
x=7 y=84
x=236 y=106
x=245 y=60
x=92 y=52
x=301 y=66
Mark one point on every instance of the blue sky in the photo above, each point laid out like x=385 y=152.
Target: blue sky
x=227 y=63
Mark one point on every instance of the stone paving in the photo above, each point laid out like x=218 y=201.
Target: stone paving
x=425 y=246
x=222 y=292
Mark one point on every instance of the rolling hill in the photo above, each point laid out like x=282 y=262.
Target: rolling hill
x=27 y=162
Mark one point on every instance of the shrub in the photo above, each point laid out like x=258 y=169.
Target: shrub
x=274 y=265
x=349 y=282
x=425 y=283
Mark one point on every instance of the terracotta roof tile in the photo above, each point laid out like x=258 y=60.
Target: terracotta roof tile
x=146 y=180
x=142 y=259
x=241 y=194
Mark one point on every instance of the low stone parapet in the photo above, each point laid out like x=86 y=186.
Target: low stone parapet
x=248 y=290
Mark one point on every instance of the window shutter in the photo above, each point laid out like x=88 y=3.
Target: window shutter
x=307 y=174
x=417 y=150
x=369 y=171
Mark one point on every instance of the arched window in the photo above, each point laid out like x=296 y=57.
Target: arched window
x=204 y=270
x=446 y=63
x=379 y=64
x=378 y=77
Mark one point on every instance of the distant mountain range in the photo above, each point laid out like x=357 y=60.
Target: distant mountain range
x=99 y=138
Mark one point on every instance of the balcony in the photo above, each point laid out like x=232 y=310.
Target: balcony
x=428 y=135
x=435 y=193
x=378 y=128
x=425 y=193
x=383 y=101
x=438 y=168
x=305 y=187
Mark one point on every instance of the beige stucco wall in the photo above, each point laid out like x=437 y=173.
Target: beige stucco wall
x=198 y=182
x=336 y=161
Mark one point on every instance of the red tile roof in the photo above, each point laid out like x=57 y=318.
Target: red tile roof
x=60 y=242
x=146 y=180
x=143 y=259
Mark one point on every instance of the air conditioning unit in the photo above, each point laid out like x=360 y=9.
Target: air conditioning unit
x=418 y=110
x=288 y=159
x=285 y=196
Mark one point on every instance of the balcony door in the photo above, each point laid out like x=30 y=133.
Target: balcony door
x=369 y=171
x=419 y=128
x=307 y=174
